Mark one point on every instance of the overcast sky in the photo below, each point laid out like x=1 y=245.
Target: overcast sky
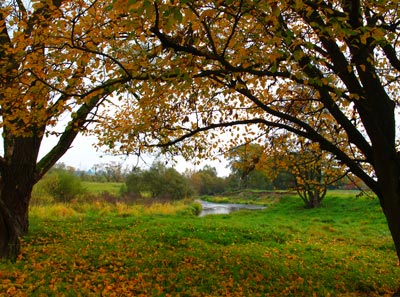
x=83 y=155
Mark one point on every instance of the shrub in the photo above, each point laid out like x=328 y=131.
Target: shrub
x=41 y=194
x=58 y=185
x=69 y=186
x=134 y=183
x=196 y=208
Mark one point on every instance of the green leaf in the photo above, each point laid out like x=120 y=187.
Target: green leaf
x=177 y=14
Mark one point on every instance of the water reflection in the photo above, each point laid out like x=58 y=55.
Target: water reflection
x=224 y=208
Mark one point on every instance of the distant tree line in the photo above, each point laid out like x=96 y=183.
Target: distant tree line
x=104 y=172
x=158 y=182
x=64 y=183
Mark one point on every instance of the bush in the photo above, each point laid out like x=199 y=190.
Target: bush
x=58 y=185
x=43 y=191
x=196 y=208
x=133 y=183
x=69 y=186
x=40 y=195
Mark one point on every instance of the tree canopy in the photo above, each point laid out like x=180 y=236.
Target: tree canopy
x=54 y=66
x=326 y=71
x=305 y=67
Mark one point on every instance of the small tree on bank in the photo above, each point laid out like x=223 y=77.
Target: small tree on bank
x=307 y=170
x=309 y=180
x=314 y=171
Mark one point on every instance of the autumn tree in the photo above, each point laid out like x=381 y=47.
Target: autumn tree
x=56 y=71
x=158 y=181
x=207 y=182
x=312 y=168
x=314 y=171
x=234 y=67
x=245 y=167
x=308 y=170
x=243 y=160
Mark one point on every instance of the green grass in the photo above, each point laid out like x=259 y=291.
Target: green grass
x=341 y=249
x=99 y=188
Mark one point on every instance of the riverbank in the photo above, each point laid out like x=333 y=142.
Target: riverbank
x=341 y=249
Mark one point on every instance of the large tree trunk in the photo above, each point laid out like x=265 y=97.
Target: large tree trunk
x=390 y=202
x=9 y=235
x=392 y=213
x=15 y=196
x=17 y=180
x=14 y=207
x=387 y=170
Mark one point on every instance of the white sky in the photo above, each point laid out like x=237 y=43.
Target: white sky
x=83 y=155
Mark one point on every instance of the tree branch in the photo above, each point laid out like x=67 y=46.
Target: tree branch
x=391 y=54
x=78 y=121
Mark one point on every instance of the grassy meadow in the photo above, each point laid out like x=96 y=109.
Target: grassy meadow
x=101 y=187
x=341 y=249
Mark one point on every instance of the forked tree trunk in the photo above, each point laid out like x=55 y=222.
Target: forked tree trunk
x=311 y=195
x=314 y=199
x=20 y=171
x=311 y=198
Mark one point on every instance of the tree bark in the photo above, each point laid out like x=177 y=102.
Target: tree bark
x=392 y=214
x=390 y=202
x=15 y=196
x=14 y=208
x=9 y=238
x=16 y=184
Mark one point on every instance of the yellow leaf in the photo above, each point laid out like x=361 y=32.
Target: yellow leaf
x=207 y=13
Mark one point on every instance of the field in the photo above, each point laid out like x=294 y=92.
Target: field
x=341 y=249
x=99 y=188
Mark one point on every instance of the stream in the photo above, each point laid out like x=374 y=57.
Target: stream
x=224 y=208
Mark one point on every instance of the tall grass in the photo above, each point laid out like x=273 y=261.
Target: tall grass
x=64 y=211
